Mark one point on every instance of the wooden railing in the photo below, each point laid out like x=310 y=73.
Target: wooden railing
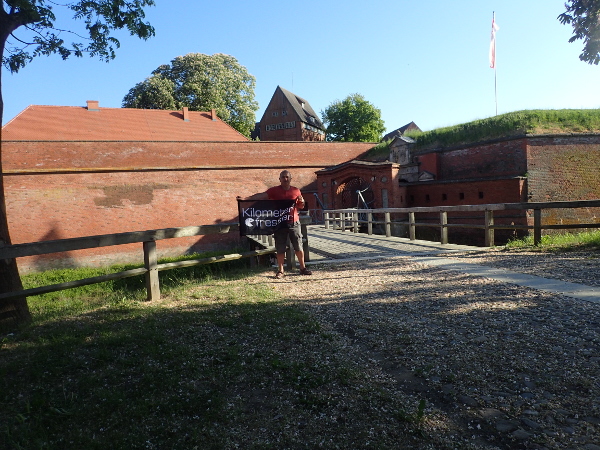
x=349 y=218
x=146 y=238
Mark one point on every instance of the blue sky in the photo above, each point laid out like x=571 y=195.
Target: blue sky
x=425 y=62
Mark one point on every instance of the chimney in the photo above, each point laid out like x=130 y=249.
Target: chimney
x=93 y=105
x=213 y=114
x=186 y=114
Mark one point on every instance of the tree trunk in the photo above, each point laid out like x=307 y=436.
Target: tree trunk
x=13 y=311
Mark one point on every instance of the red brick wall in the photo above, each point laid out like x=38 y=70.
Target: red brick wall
x=60 y=190
x=510 y=190
x=498 y=159
x=467 y=192
x=564 y=168
x=429 y=162
x=378 y=177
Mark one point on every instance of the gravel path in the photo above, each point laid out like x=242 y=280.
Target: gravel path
x=498 y=365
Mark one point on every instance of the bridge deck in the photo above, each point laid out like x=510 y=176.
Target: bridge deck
x=328 y=245
x=335 y=244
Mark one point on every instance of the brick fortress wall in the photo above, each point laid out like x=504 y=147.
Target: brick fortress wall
x=532 y=168
x=58 y=190
x=562 y=168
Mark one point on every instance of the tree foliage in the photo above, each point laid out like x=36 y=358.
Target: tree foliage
x=27 y=30
x=201 y=83
x=40 y=36
x=353 y=119
x=584 y=16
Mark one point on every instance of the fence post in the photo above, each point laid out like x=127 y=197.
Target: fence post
x=537 y=226
x=370 y=223
x=326 y=220
x=388 y=225
x=411 y=226
x=343 y=221
x=355 y=221
x=443 y=227
x=151 y=275
x=305 y=246
x=489 y=230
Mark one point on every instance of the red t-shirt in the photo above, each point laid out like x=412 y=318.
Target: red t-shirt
x=279 y=193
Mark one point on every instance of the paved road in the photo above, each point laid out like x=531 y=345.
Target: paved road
x=328 y=246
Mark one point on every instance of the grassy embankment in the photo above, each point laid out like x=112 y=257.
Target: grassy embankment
x=518 y=123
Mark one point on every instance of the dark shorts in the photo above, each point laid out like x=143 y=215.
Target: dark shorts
x=295 y=234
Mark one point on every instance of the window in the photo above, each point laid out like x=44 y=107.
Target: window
x=384 y=198
x=480 y=194
x=461 y=196
x=444 y=197
x=274 y=113
x=427 y=197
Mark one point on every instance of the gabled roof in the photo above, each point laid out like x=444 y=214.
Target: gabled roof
x=400 y=131
x=404 y=139
x=356 y=162
x=303 y=109
x=92 y=123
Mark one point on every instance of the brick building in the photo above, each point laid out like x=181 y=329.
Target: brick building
x=399 y=132
x=518 y=169
x=289 y=118
x=80 y=171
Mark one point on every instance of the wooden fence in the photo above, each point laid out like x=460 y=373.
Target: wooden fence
x=350 y=218
x=146 y=238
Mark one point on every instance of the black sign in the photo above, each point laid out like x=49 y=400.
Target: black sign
x=264 y=216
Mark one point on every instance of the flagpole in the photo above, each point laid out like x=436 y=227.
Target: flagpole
x=495 y=78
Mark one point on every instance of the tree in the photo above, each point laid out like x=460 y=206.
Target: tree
x=155 y=92
x=201 y=83
x=584 y=16
x=353 y=119
x=34 y=19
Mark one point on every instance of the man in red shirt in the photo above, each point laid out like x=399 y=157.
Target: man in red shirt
x=285 y=191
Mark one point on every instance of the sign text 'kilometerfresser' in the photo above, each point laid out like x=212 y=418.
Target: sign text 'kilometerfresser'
x=264 y=216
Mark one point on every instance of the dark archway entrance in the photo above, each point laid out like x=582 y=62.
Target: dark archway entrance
x=356 y=193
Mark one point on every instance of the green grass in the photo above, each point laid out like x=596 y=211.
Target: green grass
x=219 y=362
x=380 y=151
x=81 y=299
x=560 y=242
x=511 y=124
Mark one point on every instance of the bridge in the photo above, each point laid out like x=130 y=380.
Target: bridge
x=328 y=246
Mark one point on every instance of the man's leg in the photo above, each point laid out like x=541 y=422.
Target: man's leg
x=296 y=240
x=280 y=261
x=300 y=258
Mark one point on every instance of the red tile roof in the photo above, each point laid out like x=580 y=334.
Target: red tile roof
x=74 y=123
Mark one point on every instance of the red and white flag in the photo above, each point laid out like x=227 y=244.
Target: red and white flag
x=495 y=28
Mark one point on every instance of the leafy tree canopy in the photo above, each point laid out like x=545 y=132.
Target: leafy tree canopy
x=38 y=34
x=27 y=30
x=353 y=119
x=201 y=83
x=584 y=16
